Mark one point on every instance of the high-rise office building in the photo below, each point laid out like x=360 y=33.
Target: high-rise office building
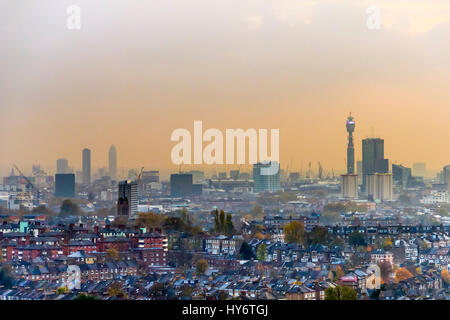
x=64 y=185
x=379 y=186
x=86 y=166
x=419 y=169
x=62 y=166
x=373 y=160
x=181 y=185
x=127 y=202
x=446 y=174
x=112 y=161
x=349 y=186
x=359 y=171
x=350 y=147
x=401 y=175
x=264 y=180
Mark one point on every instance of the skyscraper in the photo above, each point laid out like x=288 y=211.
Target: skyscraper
x=350 y=148
x=379 y=186
x=62 y=166
x=401 y=175
x=349 y=186
x=86 y=166
x=112 y=159
x=65 y=185
x=127 y=202
x=373 y=160
x=265 y=182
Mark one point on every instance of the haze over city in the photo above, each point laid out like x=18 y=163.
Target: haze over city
x=132 y=74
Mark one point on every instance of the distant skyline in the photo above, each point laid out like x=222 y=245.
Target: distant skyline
x=138 y=70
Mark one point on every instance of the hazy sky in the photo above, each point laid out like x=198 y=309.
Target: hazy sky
x=137 y=70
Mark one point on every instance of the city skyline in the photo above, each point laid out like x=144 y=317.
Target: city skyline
x=394 y=80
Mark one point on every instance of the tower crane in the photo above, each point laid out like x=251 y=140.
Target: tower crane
x=38 y=193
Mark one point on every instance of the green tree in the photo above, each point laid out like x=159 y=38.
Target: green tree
x=340 y=293
x=229 y=226
x=261 y=252
x=246 y=251
x=294 y=232
x=222 y=221
x=69 y=208
x=6 y=277
x=356 y=239
x=319 y=235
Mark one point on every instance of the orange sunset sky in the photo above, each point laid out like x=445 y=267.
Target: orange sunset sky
x=137 y=70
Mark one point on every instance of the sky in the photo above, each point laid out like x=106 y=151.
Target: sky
x=137 y=70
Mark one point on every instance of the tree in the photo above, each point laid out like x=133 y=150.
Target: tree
x=222 y=221
x=69 y=208
x=340 y=293
x=261 y=252
x=229 y=227
x=246 y=251
x=356 y=239
x=387 y=243
x=445 y=276
x=294 y=232
x=115 y=290
x=62 y=290
x=112 y=254
x=216 y=221
x=6 y=278
x=149 y=220
x=339 y=273
x=202 y=266
x=402 y=274
x=385 y=271
x=319 y=235
x=83 y=296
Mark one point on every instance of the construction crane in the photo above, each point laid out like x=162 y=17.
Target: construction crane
x=38 y=193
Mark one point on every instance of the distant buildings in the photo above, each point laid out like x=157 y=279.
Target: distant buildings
x=349 y=186
x=401 y=175
x=419 y=169
x=86 y=166
x=436 y=197
x=62 y=166
x=112 y=162
x=127 y=202
x=65 y=185
x=379 y=186
x=373 y=160
x=181 y=185
x=264 y=180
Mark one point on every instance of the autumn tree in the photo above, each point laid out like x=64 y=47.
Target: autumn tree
x=445 y=276
x=149 y=220
x=339 y=273
x=385 y=270
x=202 y=266
x=402 y=274
x=112 y=254
x=294 y=232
